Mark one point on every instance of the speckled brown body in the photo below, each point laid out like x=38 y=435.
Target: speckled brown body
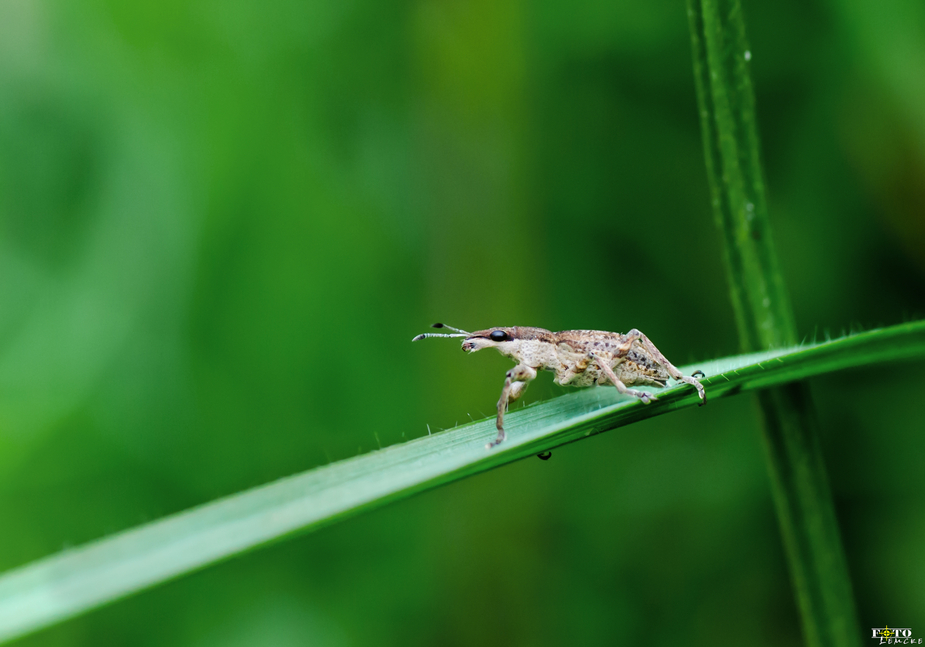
x=636 y=367
x=577 y=357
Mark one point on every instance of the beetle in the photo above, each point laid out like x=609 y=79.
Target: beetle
x=577 y=357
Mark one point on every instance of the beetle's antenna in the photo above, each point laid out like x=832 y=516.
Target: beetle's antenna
x=437 y=334
x=459 y=333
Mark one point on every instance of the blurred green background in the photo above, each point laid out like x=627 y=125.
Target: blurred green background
x=221 y=223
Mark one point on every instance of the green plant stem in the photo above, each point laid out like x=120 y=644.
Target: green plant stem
x=765 y=320
x=70 y=583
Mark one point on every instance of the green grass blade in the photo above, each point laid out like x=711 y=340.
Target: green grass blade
x=765 y=319
x=70 y=583
x=730 y=137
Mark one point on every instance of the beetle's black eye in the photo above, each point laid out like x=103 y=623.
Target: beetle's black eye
x=499 y=335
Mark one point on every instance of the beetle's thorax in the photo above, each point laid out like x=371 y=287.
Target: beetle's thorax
x=538 y=353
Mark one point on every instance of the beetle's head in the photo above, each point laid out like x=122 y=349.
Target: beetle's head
x=506 y=341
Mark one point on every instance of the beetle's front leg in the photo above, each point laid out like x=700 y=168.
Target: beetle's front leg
x=515 y=383
x=634 y=334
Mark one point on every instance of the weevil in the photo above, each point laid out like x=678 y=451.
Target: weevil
x=577 y=357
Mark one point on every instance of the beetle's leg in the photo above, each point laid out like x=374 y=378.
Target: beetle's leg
x=577 y=368
x=621 y=387
x=515 y=383
x=573 y=364
x=634 y=334
x=517 y=390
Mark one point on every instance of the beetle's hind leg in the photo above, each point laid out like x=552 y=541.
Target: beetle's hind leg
x=617 y=382
x=634 y=334
x=515 y=383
